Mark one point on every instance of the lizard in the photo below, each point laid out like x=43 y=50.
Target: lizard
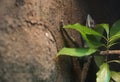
x=91 y=24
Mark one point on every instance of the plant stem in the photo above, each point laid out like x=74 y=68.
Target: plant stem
x=108 y=52
x=117 y=61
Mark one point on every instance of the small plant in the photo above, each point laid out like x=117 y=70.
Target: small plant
x=93 y=37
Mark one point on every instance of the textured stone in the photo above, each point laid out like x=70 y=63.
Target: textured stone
x=30 y=39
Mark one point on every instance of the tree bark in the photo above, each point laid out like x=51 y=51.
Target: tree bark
x=30 y=38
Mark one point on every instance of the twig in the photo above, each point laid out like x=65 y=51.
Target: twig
x=109 y=52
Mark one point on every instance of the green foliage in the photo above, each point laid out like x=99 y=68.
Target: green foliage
x=105 y=27
x=103 y=75
x=115 y=28
x=115 y=76
x=93 y=39
x=99 y=60
x=83 y=29
x=99 y=28
x=77 y=52
x=115 y=32
x=87 y=34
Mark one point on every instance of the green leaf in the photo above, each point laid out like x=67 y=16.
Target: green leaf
x=77 y=52
x=115 y=29
x=105 y=27
x=112 y=44
x=83 y=29
x=115 y=76
x=100 y=30
x=86 y=33
x=103 y=75
x=93 y=42
x=114 y=38
x=115 y=32
x=99 y=60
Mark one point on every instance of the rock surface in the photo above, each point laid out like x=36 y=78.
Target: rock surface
x=30 y=38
